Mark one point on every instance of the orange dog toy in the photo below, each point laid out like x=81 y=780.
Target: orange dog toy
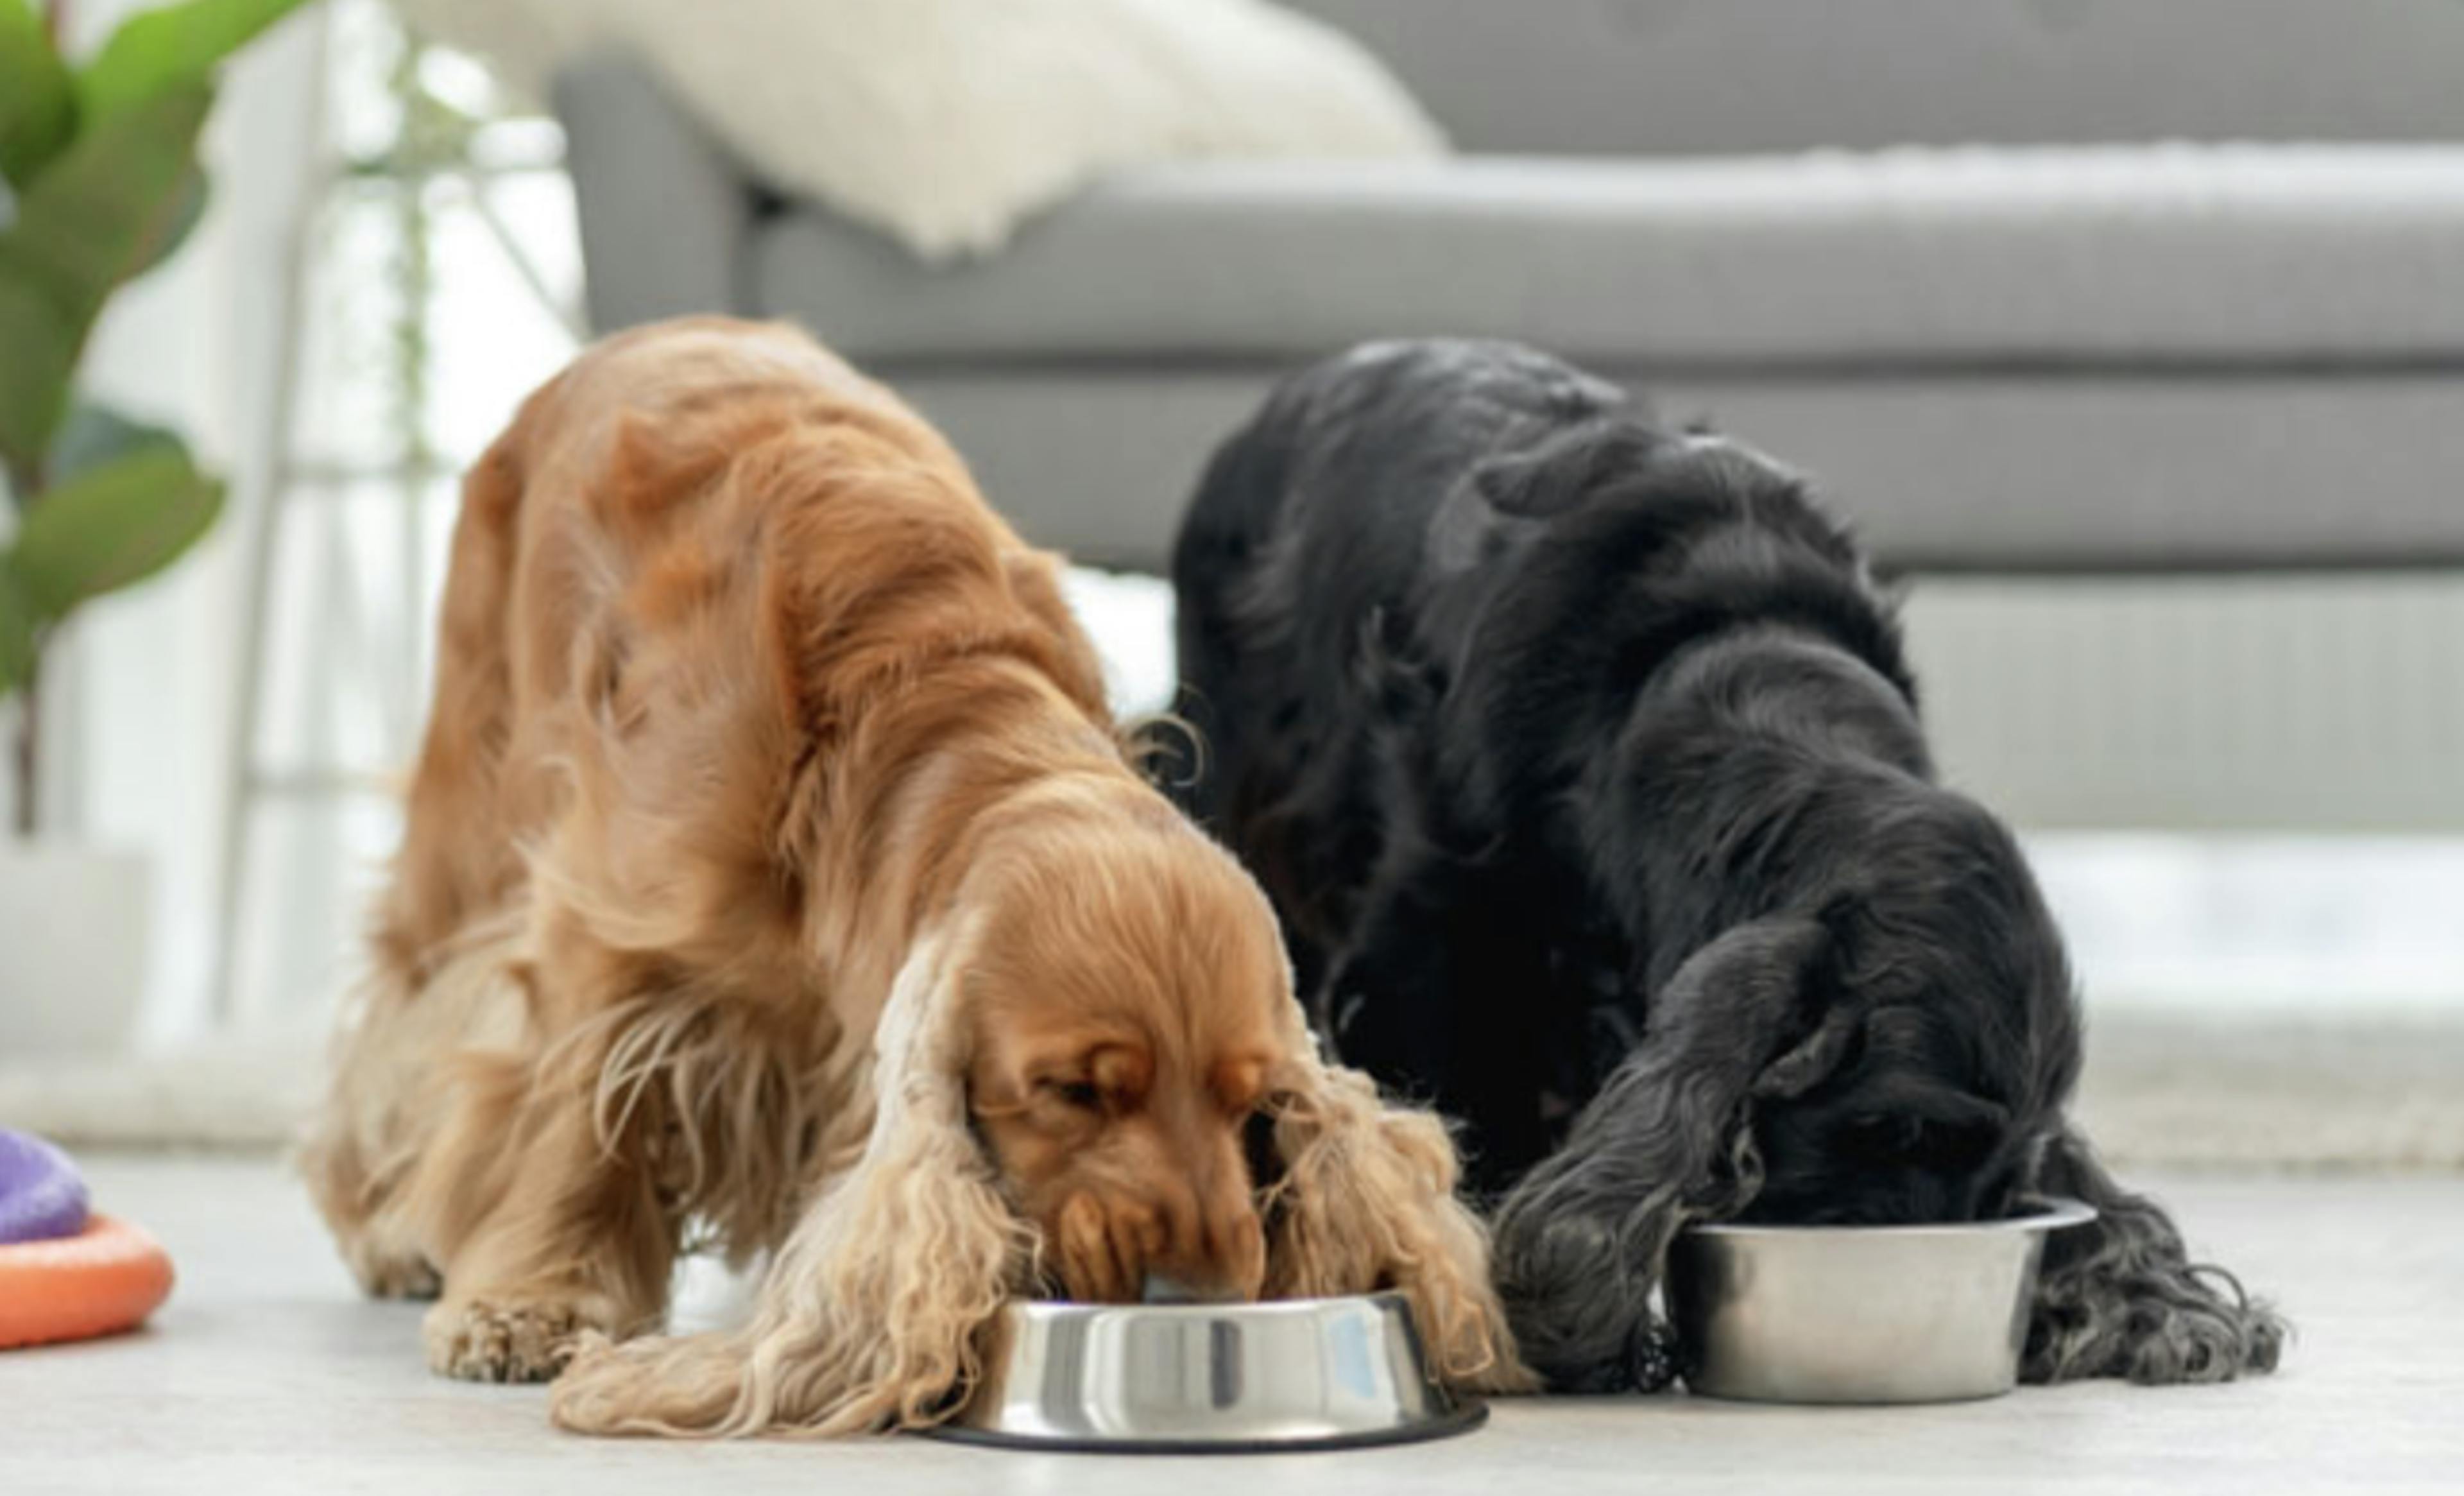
x=106 y=1278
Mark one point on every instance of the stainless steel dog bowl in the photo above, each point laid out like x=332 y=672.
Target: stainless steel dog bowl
x=1298 y=1374
x=1923 y=1313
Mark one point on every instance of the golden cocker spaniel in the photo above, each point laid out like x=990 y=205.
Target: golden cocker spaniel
x=775 y=877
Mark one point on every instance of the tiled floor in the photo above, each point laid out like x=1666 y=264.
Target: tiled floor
x=265 y=1373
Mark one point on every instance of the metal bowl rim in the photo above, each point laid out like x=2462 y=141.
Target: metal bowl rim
x=1058 y=1310
x=1461 y=1416
x=2051 y=1213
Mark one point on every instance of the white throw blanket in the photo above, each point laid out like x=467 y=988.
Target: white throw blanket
x=945 y=122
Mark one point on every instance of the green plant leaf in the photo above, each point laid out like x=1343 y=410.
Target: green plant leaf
x=103 y=210
x=38 y=348
x=95 y=435
x=179 y=219
x=16 y=625
x=116 y=523
x=38 y=98
x=170 y=48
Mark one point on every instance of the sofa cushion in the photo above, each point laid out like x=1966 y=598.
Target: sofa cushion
x=946 y=122
x=2292 y=254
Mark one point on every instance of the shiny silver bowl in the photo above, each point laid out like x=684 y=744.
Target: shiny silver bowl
x=1298 y=1374
x=1924 y=1314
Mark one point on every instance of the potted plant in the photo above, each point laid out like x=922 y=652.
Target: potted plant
x=98 y=181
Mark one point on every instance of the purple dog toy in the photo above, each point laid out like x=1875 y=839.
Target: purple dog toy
x=41 y=1194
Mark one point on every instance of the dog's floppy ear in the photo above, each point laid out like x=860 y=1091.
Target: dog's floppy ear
x=1556 y=475
x=869 y=1318
x=2121 y=1297
x=1582 y=1242
x=1360 y=1195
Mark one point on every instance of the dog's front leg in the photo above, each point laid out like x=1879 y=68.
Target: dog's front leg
x=577 y=1240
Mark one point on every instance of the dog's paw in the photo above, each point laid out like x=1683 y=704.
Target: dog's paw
x=489 y=1340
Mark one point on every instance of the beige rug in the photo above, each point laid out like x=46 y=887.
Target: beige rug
x=2210 y=1089
x=247 y=1095
x=2362 y=1091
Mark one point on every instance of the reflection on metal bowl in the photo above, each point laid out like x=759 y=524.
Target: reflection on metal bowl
x=1924 y=1314
x=1299 y=1373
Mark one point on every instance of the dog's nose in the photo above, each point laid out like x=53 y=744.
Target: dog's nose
x=1213 y=1257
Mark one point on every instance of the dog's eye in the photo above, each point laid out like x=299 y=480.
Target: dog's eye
x=1081 y=1094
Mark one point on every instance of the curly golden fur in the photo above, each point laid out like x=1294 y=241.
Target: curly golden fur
x=775 y=878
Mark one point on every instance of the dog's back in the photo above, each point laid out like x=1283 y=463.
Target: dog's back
x=1306 y=557
x=630 y=509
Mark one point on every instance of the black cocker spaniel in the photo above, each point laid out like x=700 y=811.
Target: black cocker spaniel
x=1582 y=761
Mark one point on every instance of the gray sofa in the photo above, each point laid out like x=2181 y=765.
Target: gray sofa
x=1921 y=247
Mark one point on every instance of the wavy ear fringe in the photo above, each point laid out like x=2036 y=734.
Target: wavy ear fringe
x=1366 y=1201
x=872 y=1314
x=2121 y=1297
x=1583 y=1240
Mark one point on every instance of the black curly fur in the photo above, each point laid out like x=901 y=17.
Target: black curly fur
x=1582 y=761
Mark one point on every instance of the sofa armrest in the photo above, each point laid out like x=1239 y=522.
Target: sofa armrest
x=665 y=211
